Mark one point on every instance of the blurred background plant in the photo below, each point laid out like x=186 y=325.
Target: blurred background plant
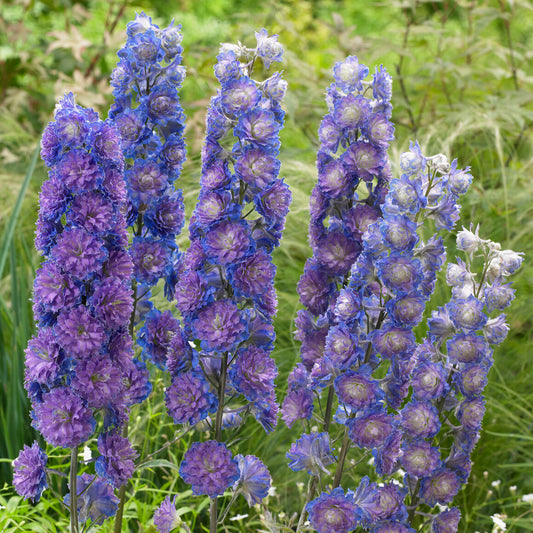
x=463 y=85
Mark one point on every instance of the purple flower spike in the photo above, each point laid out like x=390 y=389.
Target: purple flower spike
x=209 y=468
x=76 y=375
x=29 y=472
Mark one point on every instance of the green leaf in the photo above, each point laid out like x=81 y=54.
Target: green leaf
x=157 y=463
x=10 y=229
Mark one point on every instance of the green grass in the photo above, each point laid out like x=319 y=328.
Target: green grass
x=475 y=103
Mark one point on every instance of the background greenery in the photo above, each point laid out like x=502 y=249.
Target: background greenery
x=463 y=85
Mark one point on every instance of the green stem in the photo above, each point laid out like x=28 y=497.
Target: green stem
x=213 y=513
x=213 y=508
x=342 y=458
x=311 y=487
x=74 y=490
x=410 y=20
x=122 y=490
x=121 y=496
x=329 y=406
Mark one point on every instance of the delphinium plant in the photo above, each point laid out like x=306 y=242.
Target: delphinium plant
x=80 y=373
x=353 y=175
x=220 y=361
x=416 y=407
x=148 y=115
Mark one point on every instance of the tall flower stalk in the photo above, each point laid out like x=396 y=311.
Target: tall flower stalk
x=220 y=358
x=353 y=175
x=80 y=373
x=148 y=115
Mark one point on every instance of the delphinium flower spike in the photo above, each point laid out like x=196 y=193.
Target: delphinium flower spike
x=390 y=284
x=80 y=373
x=220 y=360
x=399 y=416
x=459 y=343
x=353 y=175
x=149 y=117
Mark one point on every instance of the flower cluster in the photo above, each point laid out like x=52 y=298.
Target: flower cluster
x=80 y=373
x=452 y=368
x=353 y=175
x=225 y=290
x=150 y=121
x=390 y=284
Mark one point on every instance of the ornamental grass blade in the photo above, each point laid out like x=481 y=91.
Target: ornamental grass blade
x=7 y=237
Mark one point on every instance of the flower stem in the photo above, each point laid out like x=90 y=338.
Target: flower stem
x=213 y=514
x=329 y=406
x=311 y=487
x=74 y=490
x=342 y=458
x=213 y=508
x=122 y=490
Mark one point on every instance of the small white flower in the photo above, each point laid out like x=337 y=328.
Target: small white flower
x=527 y=498
x=468 y=241
x=272 y=491
x=300 y=485
x=238 y=517
x=87 y=455
x=496 y=484
x=237 y=49
x=512 y=489
x=499 y=524
x=440 y=163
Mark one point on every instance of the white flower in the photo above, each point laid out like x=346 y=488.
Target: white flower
x=440 y=163
x=499 y=524
x=496 y=484
x=468 y=241
x=237 y=49
x=87 y=456
x=527 y=498
x=511 y=261
x=272 y=491
x=238 y=517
